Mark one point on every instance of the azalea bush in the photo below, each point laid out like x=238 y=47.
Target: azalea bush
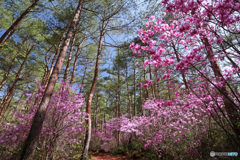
x=62 y=130
x=193 y=50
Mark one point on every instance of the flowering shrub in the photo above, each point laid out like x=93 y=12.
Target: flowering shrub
x=62 y=128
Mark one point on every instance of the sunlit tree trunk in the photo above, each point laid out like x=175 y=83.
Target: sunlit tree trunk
x=55 y=56
x=9 y=32
x=70 y=53
x=90 y=95
x=37 y=122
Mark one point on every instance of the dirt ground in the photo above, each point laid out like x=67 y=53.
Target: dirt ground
x=109 y=156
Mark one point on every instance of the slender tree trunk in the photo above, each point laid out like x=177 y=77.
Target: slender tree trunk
x=32 y=138
x=70 y=53
x=4 y=80
x=230 y=107
x=89 y=98
x=55 y=56
x=45 y=76
x=75 y=62
x=12 y=88
x=129 y=99
x=119 y=104
x=15 y=24
x=134 y=85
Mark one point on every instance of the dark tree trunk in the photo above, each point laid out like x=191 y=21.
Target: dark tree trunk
x=15 y=24
x=12 y=88
x=32 y=138
x=134 y=84
x=129 y=99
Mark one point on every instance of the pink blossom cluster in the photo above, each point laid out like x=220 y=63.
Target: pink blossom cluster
x=61 y=129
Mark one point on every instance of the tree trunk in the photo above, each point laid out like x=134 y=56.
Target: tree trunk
x=4 y=80
x=45 y=76
x=129 y=99
x=134 y=83
x=230 y=106
x=12 y=88
x=70 y=53
x=55 y=56
x=75 y=62
x=119 y=104
x=89 y=98
x=32 y=138
x=15 y=24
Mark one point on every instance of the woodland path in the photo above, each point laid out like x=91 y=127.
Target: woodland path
x=109 y=156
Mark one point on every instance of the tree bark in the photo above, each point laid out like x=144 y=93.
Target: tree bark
x=230 y=106
x=75 y=62
x=89 y=98
x=129 y=99
x=134 y=84
x=12 y=88
x=70 y=53
x=32 y=138
x=45 y=75
x=5 y=77
x=55 y=56
x=15 y=24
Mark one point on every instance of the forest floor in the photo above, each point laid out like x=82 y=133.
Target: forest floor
x=109 y=156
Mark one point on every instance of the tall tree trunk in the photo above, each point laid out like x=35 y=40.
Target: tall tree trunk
x=129 y=99
x=230 y=106
x=32 y=138
x=45 y=75
x=12 y=88
x=89 y=98
x=4 y=80
x=70 y=53
x=15 y=24
x=119 y=103
x=55 y=56
x=75 y=62
x=134 y=85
